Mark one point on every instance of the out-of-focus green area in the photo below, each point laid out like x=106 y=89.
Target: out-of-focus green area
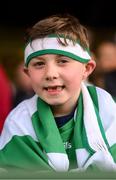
x=57 y=175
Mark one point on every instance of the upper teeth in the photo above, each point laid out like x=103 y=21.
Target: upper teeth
x=54 y=87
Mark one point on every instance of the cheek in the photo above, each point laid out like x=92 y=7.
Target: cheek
x=75 y=76
x=35 y=78
x=73 y=79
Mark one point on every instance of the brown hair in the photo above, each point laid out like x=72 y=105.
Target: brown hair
x=66 y=25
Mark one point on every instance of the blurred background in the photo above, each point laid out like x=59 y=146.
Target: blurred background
x=16 y=17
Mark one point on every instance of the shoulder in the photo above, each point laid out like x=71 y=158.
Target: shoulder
x=20 y=117
x=18 y=122
x=107 y=107
x=104 y=94
x=25 y=107
x=105 y=100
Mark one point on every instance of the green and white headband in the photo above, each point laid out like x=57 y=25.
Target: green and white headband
x=50 y=45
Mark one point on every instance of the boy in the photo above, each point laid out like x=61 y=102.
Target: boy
x=66 y=125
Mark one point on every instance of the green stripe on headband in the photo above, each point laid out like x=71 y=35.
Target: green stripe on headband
x=54 y=51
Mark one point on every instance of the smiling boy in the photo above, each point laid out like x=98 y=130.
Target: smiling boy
x=64 y=126
x=51 y=77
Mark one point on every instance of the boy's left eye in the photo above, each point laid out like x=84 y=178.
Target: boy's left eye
x=62 y=61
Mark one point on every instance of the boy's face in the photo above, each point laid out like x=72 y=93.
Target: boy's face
x=56 y=79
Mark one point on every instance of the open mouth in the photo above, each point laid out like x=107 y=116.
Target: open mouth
x=54 y=88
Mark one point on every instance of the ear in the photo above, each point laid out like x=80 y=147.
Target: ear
x=89 y=67
x=26 y=71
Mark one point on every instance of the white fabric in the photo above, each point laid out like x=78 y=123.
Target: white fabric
x=58 y=161
x=82 y=153
x=19 y=122
x=102 y=160
x=52 y=43
x=94 y=136
x=107 y=108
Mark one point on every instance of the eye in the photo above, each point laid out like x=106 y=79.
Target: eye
x=39 y=64
x=62 y=61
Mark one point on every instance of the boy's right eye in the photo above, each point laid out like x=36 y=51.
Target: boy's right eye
x=38 y=64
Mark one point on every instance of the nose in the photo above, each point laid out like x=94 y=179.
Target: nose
x=51 y=73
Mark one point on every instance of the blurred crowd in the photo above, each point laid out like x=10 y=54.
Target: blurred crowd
x=16 y=89
x=105 y=73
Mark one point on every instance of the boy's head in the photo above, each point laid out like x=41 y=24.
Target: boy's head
x=57 y=58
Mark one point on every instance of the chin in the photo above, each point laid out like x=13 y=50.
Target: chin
x=53 y=102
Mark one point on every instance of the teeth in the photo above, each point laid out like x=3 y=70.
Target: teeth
x=59 y=88
x=52 y=88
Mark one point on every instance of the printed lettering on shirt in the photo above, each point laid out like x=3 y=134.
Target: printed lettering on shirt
x=67 y=145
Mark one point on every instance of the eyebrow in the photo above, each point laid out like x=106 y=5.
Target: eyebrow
x=42 y=58
x=39 y=58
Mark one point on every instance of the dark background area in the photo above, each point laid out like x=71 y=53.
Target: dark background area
x=99 y=16
x=96 y=13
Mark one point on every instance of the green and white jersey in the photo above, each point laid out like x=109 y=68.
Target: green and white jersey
x=31 y=139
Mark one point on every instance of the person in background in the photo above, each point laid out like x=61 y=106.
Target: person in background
x=22 y=85
x=5 y=96
x=105 y=72
x=66 y=126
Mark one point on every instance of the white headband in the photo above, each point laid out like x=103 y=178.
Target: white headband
x=50 y=45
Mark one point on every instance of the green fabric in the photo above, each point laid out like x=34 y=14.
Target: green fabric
x=48 y=126
x=114 y=97
x=113 y=151
x=25 y=152
x=93 y=93
x=66 y=133
x=46 y=129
